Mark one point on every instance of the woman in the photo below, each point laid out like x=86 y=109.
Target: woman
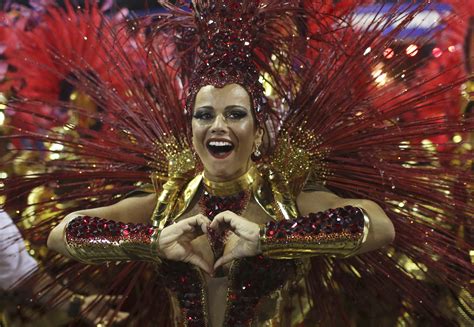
x=218 y=237
x=225 y=134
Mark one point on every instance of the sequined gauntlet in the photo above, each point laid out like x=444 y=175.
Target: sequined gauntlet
x=339 y=232
x=94 y=240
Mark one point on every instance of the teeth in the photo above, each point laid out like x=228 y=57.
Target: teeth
x=220 y=143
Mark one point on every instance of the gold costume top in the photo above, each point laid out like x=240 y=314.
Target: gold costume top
x=254 y=285
x=251 y=283
x=248 y=292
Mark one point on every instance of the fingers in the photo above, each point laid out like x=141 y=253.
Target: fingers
x=241 y=249
x=239 y=225
x=112 y=298
x=110 y=317
x=198 y=222
x=224 y=218
x=224 y=259
x=200 y=262
x=121 y=315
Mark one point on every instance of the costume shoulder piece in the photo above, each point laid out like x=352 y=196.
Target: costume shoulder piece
x=175 y=190
x=299 y=157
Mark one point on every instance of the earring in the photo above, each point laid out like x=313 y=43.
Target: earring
x=257 y=152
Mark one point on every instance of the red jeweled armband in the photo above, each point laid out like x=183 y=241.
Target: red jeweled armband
x=339 y=232
x=97 y=240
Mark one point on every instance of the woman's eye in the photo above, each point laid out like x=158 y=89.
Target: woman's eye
x=236 y=114
x=203 y=116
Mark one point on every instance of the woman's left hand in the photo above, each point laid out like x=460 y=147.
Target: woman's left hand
x=247 y=232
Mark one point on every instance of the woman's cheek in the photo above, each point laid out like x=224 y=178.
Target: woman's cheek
x=198 y=140
x=247 y=136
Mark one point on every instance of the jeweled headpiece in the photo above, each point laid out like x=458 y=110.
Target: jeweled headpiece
x=228 y=32
x=233 y=41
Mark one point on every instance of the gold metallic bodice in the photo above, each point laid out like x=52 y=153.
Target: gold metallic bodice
x=268 y=190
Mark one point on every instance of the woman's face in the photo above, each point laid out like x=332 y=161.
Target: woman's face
x=224 y=131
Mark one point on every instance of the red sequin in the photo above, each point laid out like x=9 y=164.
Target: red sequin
x=328 y=224
x=212 y=205
x=84 y=229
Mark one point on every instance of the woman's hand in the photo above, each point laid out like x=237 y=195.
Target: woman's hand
x=175 y=241
x=248 y=234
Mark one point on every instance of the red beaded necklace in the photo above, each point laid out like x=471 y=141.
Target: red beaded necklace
x=230 y=195
x=212 y=205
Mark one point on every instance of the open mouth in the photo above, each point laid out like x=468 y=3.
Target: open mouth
x=220 y=148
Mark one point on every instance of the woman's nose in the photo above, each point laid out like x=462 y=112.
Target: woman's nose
x=219 y=124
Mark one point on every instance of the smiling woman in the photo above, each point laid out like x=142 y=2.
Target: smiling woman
x=225 y=134
x=243 y=242
x=224 y=131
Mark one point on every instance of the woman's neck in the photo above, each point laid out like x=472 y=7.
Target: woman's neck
x=232 y=186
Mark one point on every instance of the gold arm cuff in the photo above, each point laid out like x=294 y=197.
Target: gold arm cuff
x=102 y=252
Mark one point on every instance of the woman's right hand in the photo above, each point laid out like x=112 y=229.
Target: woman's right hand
x=175 y=241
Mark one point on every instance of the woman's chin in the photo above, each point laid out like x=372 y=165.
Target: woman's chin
x=226 y=167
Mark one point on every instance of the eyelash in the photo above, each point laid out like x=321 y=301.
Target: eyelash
x=234 y=115
x=202 y=116
x=237 y=114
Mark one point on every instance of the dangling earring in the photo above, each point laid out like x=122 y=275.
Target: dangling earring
x=258 y=142
x=257 y=152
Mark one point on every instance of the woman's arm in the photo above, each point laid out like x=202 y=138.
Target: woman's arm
x=123 y=232
x=356 y=226
x=381 y=231
x=136 y=210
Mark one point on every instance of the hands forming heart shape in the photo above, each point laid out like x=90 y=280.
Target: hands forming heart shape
x=175 y=240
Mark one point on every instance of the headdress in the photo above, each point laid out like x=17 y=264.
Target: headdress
x=226 y=50
x=234 y=42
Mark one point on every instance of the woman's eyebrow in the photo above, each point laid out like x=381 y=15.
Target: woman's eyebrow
x=205 y=108
x=236 y=106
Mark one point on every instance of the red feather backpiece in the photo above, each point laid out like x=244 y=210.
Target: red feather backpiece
x=361 y=139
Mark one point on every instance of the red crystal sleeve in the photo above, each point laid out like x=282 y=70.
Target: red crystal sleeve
x=338 y=232
x=94 y=240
